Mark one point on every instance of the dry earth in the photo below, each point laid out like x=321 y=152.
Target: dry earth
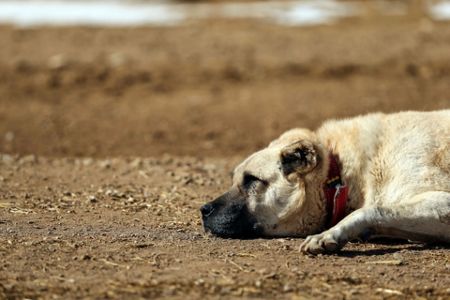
x=115 y=137
x=112 y=228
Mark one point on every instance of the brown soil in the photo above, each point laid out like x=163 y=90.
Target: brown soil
x=84 y=216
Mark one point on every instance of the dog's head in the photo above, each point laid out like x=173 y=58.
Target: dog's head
x=275 y=192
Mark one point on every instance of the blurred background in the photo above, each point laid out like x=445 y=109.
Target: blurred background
x=209 y=78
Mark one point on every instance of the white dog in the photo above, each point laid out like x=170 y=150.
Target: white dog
x=374 y=175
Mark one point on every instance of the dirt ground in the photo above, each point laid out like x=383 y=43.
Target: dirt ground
x=113 y=138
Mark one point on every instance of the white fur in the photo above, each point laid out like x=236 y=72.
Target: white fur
x=397 y=168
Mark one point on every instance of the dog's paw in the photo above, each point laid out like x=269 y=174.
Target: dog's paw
x=326 y=242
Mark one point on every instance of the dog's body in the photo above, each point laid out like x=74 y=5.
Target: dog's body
x=395 y=168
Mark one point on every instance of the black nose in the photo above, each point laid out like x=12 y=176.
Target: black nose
x=206 y=209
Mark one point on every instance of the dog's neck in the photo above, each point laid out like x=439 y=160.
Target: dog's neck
x=335 y=191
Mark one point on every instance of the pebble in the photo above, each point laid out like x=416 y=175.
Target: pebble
x=287 y=288
x=29 y=159
x=398 y=256
x=136 y=163
x=87 y=161
x=57 y=61
x=105 y=164
x=7 y=159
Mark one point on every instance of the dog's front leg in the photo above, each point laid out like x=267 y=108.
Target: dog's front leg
x=357 y=224
x=425 y=218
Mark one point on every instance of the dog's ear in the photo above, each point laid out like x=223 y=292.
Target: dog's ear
x=300 y=157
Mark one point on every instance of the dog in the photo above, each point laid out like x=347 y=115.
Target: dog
x=378 y=175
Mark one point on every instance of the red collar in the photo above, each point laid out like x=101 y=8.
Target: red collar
x=336 y=192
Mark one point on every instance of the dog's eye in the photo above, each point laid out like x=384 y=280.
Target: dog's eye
x=250 y=179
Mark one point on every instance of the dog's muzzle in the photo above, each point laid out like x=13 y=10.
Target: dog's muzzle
x=228 y=216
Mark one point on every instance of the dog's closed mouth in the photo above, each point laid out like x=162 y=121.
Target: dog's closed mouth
x=229 y=219
x=238 y=227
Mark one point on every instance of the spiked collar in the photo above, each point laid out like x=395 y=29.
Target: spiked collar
x=336 y=192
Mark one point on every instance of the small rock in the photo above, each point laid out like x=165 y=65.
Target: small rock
x=199 y=281
x=92 y=199
x=287 y=288
x=56 y=62
x=389 y=291
x=7 y=159
x=87 y=161
x=114 y=193
x=398 y=256
x=136 y=163
x=29 y=159
x=105 y=164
